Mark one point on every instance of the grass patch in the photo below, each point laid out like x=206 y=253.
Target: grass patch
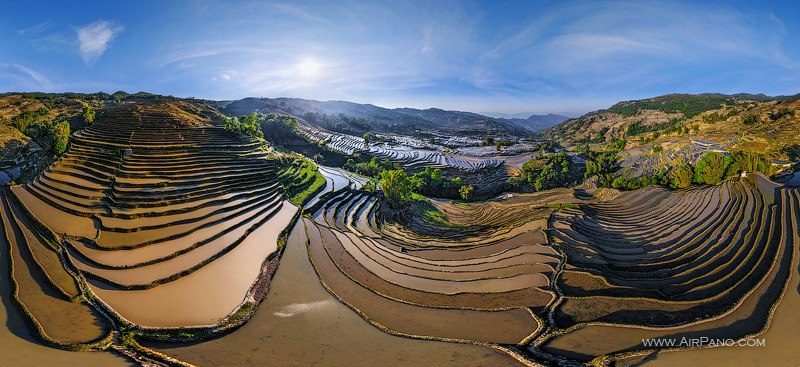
x=428 y=213
x=301 y=180
x=560 y=206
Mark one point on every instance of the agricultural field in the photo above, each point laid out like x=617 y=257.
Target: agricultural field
x=410 y=153
x=169 y=239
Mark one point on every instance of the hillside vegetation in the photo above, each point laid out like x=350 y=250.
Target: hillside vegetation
x=734 y=122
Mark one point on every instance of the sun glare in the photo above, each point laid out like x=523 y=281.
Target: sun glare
x=309 y=67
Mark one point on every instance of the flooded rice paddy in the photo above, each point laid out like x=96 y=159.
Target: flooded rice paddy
x=301 y=324
x=183 y=229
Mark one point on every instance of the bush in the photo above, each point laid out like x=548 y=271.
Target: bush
x=397 y=188
x=711 y=169
x=554 y=171
x=599 y=163
x=60 y=137
x=680 y=177
x=431 y=182
x=373 y=168
x=466 y=192
x=750 y=120
x=635 y=183
x=88 y=114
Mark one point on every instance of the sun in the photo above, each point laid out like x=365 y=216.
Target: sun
x=309 y=67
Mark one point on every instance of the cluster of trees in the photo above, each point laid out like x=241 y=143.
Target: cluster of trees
x=555 y=170
x=399 y=188
x=29 y=118
x=636 y=128
x=715 y=117
x=600 y=162
x=273 y=127
x=277 y=128
x=60 y=133
x=712 y=169
x=43 y=130
x=751 y=119
x=623 y=182
x=689 y=105
x=786 y=111
x=249 y=125
x=431 y=182
x=372 y=168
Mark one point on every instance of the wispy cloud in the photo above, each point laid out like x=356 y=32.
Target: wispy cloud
x=589 y=47
x=36 y=29
x=427 y=46
x=297 y=11
x=95 y=38
x=46 y=37
x=25 y=77
x=208 y=50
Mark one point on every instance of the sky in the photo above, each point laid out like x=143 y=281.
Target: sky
x=566 y=57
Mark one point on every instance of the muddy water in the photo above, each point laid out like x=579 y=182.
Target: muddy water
x=57 y=220
x=437 y=285
x=301 y=324
x=20 y=349
x=596 y=340
x=191 y=259
x=208 y=294
x=780 y=340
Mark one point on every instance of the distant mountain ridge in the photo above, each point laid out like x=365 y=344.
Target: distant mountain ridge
x=358 y=118
x=536 y=123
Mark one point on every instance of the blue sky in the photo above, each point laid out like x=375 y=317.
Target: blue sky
x=497 y=56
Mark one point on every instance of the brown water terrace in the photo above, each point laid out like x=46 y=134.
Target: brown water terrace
x=301 y=324
x=173 y=240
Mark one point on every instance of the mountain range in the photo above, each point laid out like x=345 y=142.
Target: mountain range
x=356 y=118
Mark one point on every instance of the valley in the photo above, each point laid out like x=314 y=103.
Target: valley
x=172 y=233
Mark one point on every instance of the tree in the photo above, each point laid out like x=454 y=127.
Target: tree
x=250 y=126
x=466 y=192
x=232 y=124
x=751 y=119
x=279 y=128
x=711 y=169
x=549 y=173
x=599 y=163
x=680 y=177
x=397 y=188
x=88 y=114
x=617 y=144
x=367 y=139
x=60 y=137
x=749 y=161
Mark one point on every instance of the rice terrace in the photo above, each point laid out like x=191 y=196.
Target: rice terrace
x=633 y=200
